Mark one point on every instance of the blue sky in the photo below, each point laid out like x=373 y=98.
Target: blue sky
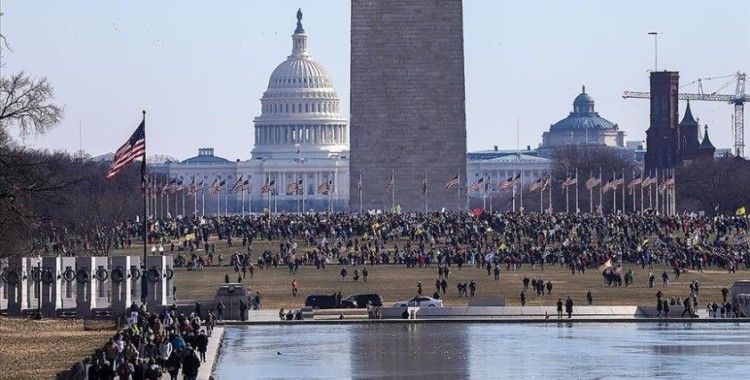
x=200 y=67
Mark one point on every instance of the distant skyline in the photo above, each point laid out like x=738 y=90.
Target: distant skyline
x=200 y=68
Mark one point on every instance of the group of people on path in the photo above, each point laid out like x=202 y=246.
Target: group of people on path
x=150 y=346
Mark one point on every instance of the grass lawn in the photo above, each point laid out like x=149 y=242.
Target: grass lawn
x=32 y=349
x=396 y=282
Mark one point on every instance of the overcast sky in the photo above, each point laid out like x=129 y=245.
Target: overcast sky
x=199 y=68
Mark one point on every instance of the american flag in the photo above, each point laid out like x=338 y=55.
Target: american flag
x=648 y=181
x=268 y=186
x=477 y=185
x=570 y=181
x=359 y=183
x=613 y=184
x=510 y=182
x=452 y=183
x=668 y=183
x=424 y=184
x=537 y=184
x=168 y=187
x=133 y=148
x=237 y=185
x=391 y=183
x=325 y=187
x=638 y=180
x=195 y=188
x=177 y=187
x=294 y=187
x=593 y=182
x=216 y=186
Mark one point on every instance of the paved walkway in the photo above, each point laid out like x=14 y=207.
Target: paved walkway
x=212 y=354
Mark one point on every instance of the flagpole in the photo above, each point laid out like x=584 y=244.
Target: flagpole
x=183 y=203
x=513 y=194
x=674 y=191
x=577 y=190
x=549 y=191
x=614 y=193
x=633 y=192
x=623 y=191
x=458 y=187
x=144 y=283
x=393 y=192
x=359 y=185
x=642 y=173
x=489 y=184
x=591 y=193
x=165 y=215
x=601 y=191
x=521 y=188
x=541 y=198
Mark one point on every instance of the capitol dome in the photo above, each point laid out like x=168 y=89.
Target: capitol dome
x=300 y=110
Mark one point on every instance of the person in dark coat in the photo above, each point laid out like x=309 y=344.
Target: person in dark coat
x=190 y=365
x=173 y=365
x=243 y=310
x=569 y=307
x=559 y=308
x=201 y=343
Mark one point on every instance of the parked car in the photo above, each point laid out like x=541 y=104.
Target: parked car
x=325 y=301
x=362 y=300
x=420 y=301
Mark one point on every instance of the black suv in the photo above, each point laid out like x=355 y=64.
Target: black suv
x=362 y=300
x=324 y=301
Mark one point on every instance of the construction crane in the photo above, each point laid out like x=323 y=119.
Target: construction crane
x=738 y=99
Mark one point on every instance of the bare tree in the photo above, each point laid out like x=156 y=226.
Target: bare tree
x=27 y=104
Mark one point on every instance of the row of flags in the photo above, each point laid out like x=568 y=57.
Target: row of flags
x=177 y=185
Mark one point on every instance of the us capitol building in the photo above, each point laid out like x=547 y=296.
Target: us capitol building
x=299 y=135
x=302 y=137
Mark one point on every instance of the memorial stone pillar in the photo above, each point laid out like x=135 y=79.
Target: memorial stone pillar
x=51 y=284
x=4 y=291
x=122 y=284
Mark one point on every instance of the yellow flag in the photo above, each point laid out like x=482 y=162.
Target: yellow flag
x=740 y=211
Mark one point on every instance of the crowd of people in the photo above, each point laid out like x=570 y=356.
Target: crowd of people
x=579 y=240
x=150 y=346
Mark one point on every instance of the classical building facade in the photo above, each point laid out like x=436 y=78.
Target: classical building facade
x=301 y=147
x=408 y=118
x=582 y=126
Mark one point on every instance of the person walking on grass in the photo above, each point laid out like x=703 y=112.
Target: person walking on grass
x=294 y=287
x=589 y=297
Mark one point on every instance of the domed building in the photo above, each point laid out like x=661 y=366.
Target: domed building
x=300 y=110
x=300 y=152
x=582 y=126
